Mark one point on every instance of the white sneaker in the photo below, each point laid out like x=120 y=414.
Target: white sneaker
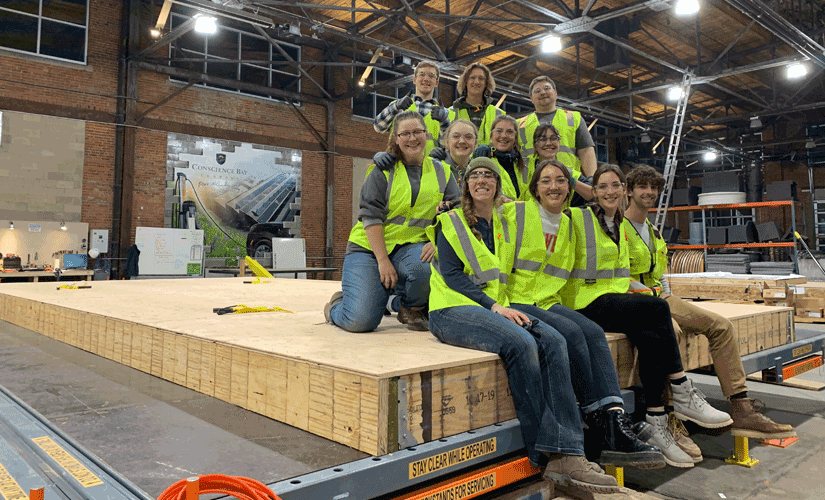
x=690 y=404
x=656 y=433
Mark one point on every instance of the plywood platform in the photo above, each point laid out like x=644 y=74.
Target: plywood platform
x=369 y=391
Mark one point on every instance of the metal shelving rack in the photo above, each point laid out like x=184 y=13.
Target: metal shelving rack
x=819 y=224
x=744 y=206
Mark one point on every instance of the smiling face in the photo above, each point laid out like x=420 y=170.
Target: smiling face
x=547 y=145
x=425 y=81
x=608 y=190
x=553 y=189
x=482 y=185
x=476 y=83
x=503 y=137
x=543 y=97
x=644 y=196
x=411 y=137
x=461 y=141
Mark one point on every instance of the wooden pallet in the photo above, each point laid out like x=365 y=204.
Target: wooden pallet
x=296 y=369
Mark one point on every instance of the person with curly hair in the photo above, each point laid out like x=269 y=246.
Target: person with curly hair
x=475 y=87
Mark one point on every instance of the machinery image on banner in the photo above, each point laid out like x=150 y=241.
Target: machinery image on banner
x=243 y=194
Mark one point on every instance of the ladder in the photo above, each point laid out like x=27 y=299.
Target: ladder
x=672 y=150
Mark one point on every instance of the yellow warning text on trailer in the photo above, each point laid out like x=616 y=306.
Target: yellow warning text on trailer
x=9 y=487
x=452 y=457
x=84 y=476
x=465 y=489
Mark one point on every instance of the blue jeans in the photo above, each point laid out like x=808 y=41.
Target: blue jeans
x=537 y=369
x=365 y=298
x=591 y=365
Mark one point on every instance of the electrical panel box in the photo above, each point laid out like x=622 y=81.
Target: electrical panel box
x=100 y=240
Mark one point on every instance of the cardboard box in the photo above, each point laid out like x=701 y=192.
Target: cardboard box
x=781 y=296
x=809 y=307
x=810 y=313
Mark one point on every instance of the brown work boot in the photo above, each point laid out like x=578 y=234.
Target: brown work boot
x=414 y=318
x=682 y=438
x=749 y=422
x=575 y=470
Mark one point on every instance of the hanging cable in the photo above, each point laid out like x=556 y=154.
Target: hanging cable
x=240 y=487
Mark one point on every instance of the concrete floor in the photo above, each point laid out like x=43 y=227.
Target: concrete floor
x=154 y=432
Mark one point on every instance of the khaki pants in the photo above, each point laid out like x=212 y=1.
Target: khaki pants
x=724 y=347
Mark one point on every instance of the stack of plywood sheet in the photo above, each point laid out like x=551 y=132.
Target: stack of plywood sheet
x=374 y=391
x=727 y=286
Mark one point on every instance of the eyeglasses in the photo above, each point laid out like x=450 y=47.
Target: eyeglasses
x=406 y=135
x=545 y=181
x=616 y=186
x=544 y=139
x=509 y=132
x=486 y=174
x=467 y=137
x=539 y=90
x=431 y=76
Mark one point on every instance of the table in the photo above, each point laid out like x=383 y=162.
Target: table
x=36 y=275
x=296 y=271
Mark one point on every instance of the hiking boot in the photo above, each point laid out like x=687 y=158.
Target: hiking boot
x=414 y=318
x=622 y=448
x=749 y=422
x=690 y=404
x=336 y=298
x=574 y=470
x=655 y=431
x=682 y=438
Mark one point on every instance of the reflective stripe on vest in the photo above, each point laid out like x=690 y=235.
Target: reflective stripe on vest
x=590 y=272
x=478 y=277
x=400 y=220
x=527 y=265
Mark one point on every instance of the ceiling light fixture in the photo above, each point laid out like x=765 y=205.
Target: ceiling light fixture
x=810 y=144
x=551 y=44
x=645 y=138
x=361 y=83
x=796 y=70
x=154 y=32
x=710 y=156
x=686 y=7
x=675 y=93
x=755 y=122
x=206 y=25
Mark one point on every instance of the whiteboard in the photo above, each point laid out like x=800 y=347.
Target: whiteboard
x=289 y=253
x=169 y=251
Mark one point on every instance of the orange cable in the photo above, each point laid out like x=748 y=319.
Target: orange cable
x=240 y=487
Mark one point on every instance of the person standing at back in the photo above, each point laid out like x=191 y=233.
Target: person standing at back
x=648 y=263
x=424 y=101
x=576 y=150
x=475 y=87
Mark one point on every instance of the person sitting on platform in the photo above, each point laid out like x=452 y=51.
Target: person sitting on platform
x=388 y=245
x=468 y=308
x=648 y=263
x=598 y=288
x=546 y=140
x=504 y=151
x=544 y=253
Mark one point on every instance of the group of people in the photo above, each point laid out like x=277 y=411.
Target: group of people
x=466 y=229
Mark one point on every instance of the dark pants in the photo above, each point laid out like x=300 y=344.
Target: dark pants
x=646 y=322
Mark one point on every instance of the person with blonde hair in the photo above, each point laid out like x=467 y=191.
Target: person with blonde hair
x=475 y=87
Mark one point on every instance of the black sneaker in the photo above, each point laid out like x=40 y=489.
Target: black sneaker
x=621 y=447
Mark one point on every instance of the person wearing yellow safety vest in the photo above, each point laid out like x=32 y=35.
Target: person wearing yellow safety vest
x=648 y=264
x=577 y=149
x=544 y=251
x=387 y=246
x=598 y=287
x=436 y=117
x=476 y=86
x=504 y=151
x=468 y=308
x=546 y=140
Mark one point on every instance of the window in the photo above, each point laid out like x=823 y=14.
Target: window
x=219 y=54
x=55 y=29
x=368 y=105
x=600 y=139
x=816 y=155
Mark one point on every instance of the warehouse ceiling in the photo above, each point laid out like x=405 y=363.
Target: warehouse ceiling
x=617 y=61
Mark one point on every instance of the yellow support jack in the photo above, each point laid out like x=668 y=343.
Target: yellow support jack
x=617 y=472
x=741 y=455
